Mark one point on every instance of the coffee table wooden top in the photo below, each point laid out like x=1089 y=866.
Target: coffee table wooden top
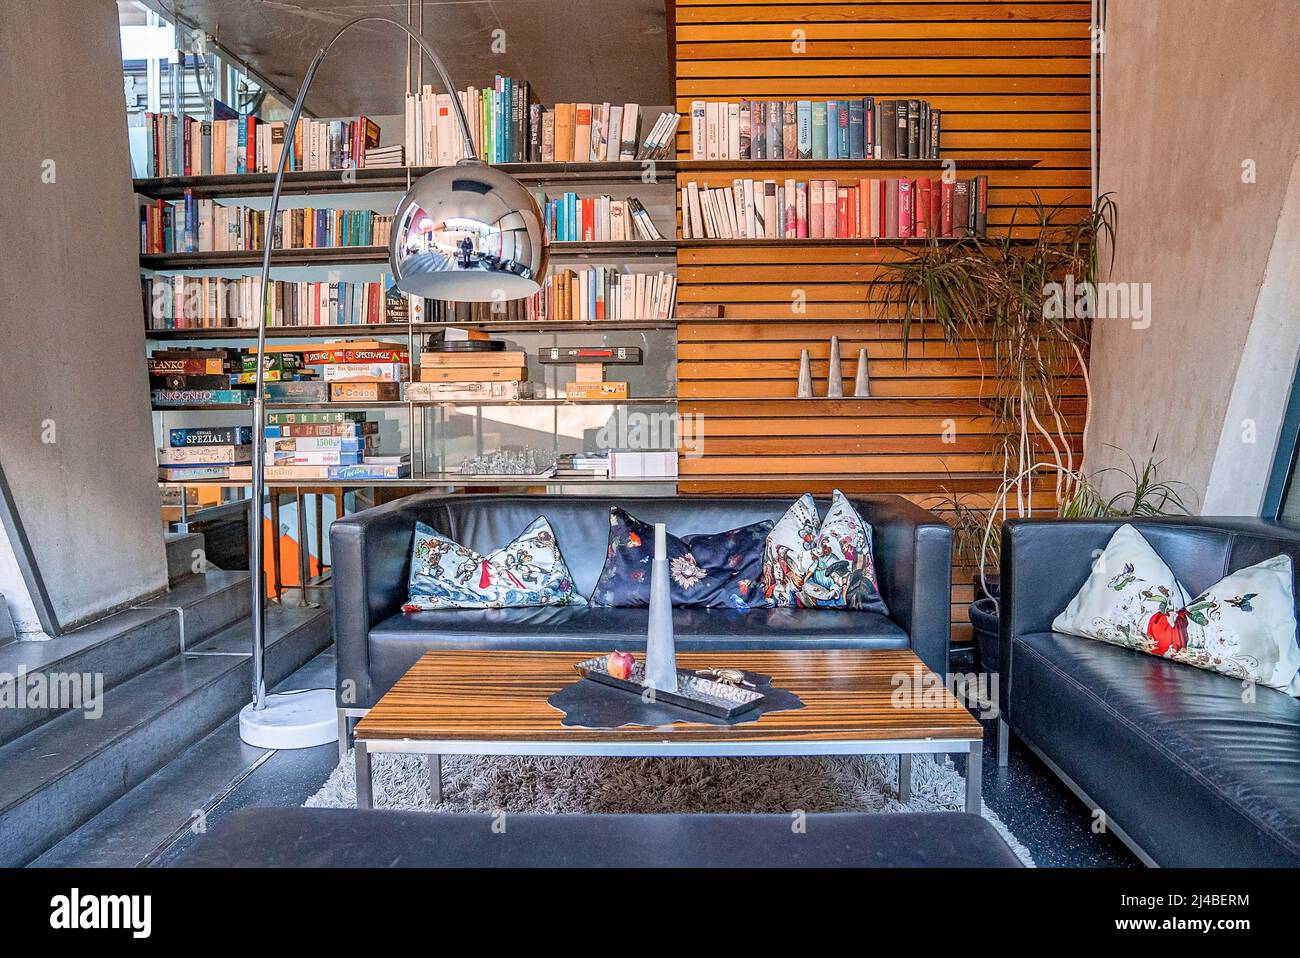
x=848 y=695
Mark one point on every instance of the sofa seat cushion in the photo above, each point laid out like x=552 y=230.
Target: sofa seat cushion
x=1195 y=775
x=397 y=642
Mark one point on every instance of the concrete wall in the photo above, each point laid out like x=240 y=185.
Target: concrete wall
x=1194 y=89
x=75 y=431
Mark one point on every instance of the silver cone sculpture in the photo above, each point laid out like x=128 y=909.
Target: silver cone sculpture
x=660 y=648
x=834 y=378
x=862 y=384
x=805 y=376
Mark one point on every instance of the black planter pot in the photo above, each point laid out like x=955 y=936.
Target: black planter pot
x=984 y=617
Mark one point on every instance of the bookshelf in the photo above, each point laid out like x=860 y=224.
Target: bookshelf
x=1002 y=116
x=428 y=429
x=326 y=256
x=631 y=172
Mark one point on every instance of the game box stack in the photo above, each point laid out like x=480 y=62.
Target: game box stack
x=197 y=377
x=204 y=453
x=470 y=368
x=324 y=447
x=349 y=371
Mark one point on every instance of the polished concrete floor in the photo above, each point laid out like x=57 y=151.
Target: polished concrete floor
x=159 y=819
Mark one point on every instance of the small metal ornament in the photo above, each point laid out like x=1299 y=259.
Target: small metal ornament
x=834 y=378
x=805 y=375
x=862 y=384
x=725 y=676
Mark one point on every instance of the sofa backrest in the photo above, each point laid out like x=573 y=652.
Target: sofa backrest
x=1052 y=558
x=581 y=523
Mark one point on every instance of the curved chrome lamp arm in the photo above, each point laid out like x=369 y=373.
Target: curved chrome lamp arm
x=259 y=441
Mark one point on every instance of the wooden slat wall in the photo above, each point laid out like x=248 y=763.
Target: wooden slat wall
x=1012 y=81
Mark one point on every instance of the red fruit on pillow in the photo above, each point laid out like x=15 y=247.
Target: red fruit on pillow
x=1168 y=636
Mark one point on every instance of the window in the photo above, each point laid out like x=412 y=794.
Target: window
x=1282 y=500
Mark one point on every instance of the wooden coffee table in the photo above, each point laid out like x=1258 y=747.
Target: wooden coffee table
x=494 y=703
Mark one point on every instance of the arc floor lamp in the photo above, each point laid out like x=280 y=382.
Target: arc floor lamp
x=468 y=232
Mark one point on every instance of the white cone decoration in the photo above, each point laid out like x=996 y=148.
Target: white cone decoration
x=861 y=384
x=660 y=648
x=805 y=376
x=834 y=378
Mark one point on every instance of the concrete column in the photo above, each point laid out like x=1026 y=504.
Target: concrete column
x=76 y=438
x=1200 y=129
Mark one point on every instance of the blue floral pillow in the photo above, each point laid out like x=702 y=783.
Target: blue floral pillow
x=715 y=570
x=529 y=571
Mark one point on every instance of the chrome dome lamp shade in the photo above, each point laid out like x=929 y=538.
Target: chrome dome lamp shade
x=470 y=233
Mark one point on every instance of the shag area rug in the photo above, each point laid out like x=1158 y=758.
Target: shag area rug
x=521 y=783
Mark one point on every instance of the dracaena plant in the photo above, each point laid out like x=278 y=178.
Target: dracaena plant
x=994 y=292
x=1137 y=491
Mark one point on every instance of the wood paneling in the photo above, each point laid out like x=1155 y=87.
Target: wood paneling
x=1012 y=80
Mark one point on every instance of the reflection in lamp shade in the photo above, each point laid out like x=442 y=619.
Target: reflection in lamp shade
x=469 y=233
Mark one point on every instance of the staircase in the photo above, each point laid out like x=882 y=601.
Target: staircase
x=166 y=673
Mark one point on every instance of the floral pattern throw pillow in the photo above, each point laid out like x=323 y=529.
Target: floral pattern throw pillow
x=814 y=563
x=711 y=570
x=528 y=571
x=1243 y=626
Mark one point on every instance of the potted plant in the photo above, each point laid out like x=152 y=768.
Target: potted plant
x=1140 y=492
x=1004 y=294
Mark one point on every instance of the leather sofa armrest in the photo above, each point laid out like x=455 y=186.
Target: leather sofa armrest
x=1044 y=563
x=370 y=554
x=913 y=557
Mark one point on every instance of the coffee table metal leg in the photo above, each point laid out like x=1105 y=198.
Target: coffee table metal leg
x=365 y=798
x=905 y=777
x=435 y=779
x=974 y=775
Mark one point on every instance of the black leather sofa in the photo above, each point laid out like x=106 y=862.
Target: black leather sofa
x=348 y=838
x=376 y=642
x=1186 y=772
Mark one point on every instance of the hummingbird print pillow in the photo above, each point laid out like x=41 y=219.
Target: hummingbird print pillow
x=814 y=563
x=1243 y=626
x=528 y=571
x=717 y=570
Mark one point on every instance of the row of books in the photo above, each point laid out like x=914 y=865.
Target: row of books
x=200 y=225
x=220 y=302
x=507 y=125
x=601 y=132
x=573 y=218
x=583 y=293
x=497 y=117
x=243 y=143
x=893 y=208
x=847 y=129
x=589 y=293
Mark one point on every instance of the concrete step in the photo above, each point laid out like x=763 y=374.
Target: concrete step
x=161 y=816
x=63 y=772
x=42 y=679
x=207 y=604
x=185 y=555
